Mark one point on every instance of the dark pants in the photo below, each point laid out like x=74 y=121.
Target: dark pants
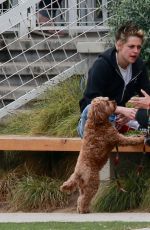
x=143 y=116
x=53 y=5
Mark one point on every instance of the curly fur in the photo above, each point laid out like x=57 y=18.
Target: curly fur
x=100 y=137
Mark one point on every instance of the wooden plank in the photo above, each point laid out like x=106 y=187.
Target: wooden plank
x=44 y=143
x=132 y=149
x=39 y=143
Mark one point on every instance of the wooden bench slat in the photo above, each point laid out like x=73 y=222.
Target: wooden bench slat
x=44 y=143
x=39 y=143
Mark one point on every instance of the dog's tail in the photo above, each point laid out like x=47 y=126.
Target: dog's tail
x=70 y=185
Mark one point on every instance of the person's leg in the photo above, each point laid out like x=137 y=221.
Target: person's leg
x=82 y=121
x=52 y=5
x=142 y=117
x=45 y=12
x=55 y=6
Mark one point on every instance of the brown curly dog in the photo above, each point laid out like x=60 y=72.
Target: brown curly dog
x=100 y=137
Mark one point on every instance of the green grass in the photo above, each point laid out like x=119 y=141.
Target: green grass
x=135 y=193
x=55 y=114
x=146 y=198
x=112 y=199
x=38 y=192
x=74 y=226
x=38 y=181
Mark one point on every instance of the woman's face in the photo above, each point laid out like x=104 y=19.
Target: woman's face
x=128 y=51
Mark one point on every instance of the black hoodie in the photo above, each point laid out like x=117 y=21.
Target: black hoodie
x=105 y=79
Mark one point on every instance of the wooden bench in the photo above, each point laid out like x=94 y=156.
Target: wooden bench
x=45 y=143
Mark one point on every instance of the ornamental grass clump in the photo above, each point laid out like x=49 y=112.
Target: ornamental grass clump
x=122 y=196
x=60 y=113
x=56 y=113
x=8 y=181
x=37 y=193
x=145 y=204
x=20 y=123
x=33 y=185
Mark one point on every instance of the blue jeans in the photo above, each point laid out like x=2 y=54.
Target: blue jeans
x=83 y=118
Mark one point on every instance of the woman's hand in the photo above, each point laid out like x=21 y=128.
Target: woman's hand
x=141 y=102
x=120 y=121
x=128 y=113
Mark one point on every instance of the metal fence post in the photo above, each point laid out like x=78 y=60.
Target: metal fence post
x=104 y=11
x=72 y=6
x=32 y=17
x=90 y=12
x=23 y=25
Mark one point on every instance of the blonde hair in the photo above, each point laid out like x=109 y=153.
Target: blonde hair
x=127 y=30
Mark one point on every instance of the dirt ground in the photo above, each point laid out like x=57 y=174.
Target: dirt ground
x=70 y=208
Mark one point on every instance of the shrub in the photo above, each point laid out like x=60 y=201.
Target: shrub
x=55 y=114
x=145 y=204
x=35 y=192
x=7 y=182
x=114 y=199
x=136 y=11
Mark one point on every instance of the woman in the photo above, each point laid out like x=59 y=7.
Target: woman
x=118 y=73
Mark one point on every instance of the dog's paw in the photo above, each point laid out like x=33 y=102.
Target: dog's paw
x=141 y=138
x=68 y=187
x=64 y=187
x=82 y=210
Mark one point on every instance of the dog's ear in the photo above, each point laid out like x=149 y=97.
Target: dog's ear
x=102 y=108
x=99 y=112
